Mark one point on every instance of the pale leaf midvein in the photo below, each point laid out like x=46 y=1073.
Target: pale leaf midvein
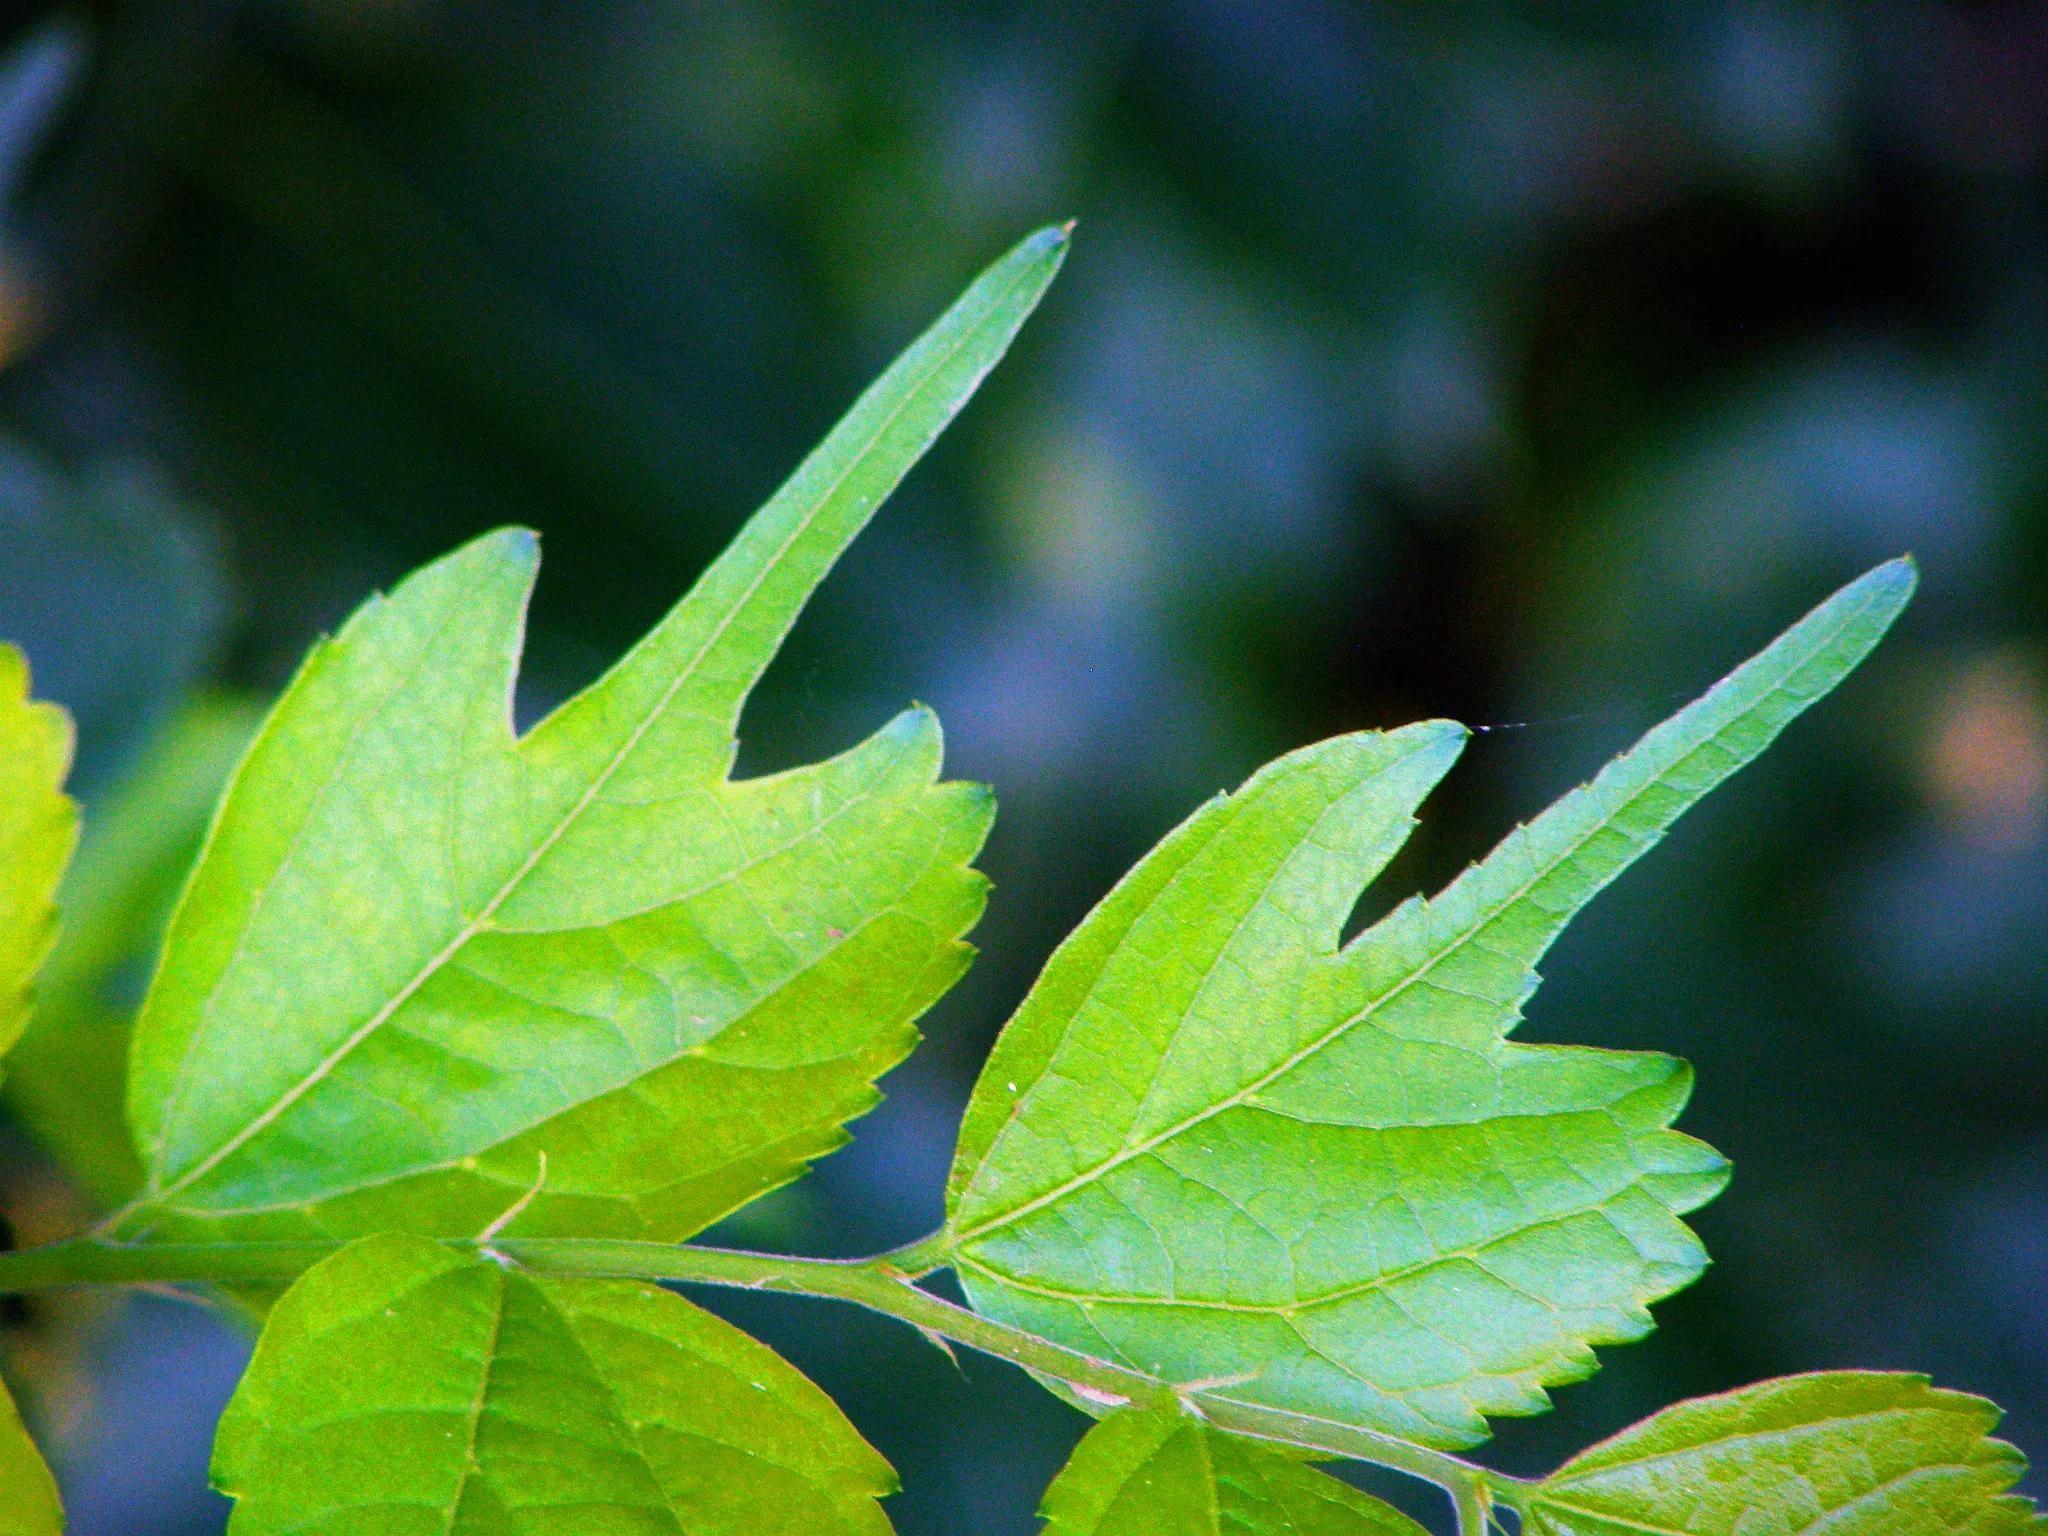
x=1496 y=911
x=684 y=675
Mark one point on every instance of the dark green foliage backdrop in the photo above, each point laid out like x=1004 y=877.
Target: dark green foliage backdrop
x=1523 y=366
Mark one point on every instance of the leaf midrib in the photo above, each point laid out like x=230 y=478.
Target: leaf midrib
x=1211 y=1484
x=175 y=1103
x=1585 y=1473
x=1469 y=1254
x=447 y=1164
x=1251 y=910
x=1826 y=1518
x=684 y=674
x=796 y=1468
x=624 y=1426
x=1414 y=977
x=471 y=1468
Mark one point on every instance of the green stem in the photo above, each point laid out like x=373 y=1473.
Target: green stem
x=1513 y=1492
x=1473 y=1502
x=915 y=1260
x=884 y=1284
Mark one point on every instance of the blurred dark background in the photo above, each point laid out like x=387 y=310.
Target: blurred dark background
x=1525 y=365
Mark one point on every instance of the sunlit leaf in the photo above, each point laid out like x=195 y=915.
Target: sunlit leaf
x=37 y=828
x=28 y=1494
x=1164 y=1473
x=402 y=1388
x=1849 y=1453
x=425 y=968
x=66 y=1076
x=1213 y=1144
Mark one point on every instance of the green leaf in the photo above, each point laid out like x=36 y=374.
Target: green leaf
x=1159 y=1472
x=424 y=967
x=66 y=1076
x=1851 y=1453
x=28 y=1494
x=38 y=826
x=1212 y=1144
x=400 y=1388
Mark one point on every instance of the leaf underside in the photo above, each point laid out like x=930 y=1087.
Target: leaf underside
x=1851 y=1453
x=1213 y=1144
x=426 y=969
x=403 y=1390
x=1160 y=1472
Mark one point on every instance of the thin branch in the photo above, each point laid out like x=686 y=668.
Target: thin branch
x=883 y=1284
x=1474 y=1504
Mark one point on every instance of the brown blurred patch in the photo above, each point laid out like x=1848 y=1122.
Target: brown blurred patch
x=47 y=1339
x=1986 y=762
x=22 y=311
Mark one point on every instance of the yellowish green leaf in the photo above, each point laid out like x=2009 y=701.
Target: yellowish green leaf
x=401 y=1389
x=1844 y=1453
x=1160 y=1472
x=427 y=970
x=38 y=826
x=28 y=1494
x=1214 y=1144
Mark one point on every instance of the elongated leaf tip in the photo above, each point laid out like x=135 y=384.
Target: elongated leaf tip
x=1886 y=589
x=1438 y=743
x=1442 y=744
x=1053 y=237
x=510 y=545
x=1893 y=582
x=910 y=723
x=513 y=538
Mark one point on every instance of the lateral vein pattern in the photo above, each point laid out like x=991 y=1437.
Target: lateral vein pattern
x=1215 y=1144
x=419 y=953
